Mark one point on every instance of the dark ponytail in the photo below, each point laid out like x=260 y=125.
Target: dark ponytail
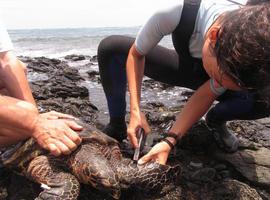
x=243 y=48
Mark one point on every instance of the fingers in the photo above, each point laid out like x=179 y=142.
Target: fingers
x=57 y=136
x=132 y=137
x=53 y=149
x=73 y=125
x=69 y=140
x=145 y=124
x=62 y=146
x=148 y=157
x=162 y=159
x=57 y=115
x=74 y=137
x=159 y=153
x=61 y=115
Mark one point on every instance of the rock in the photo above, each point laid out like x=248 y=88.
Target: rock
x=196 y=164
x=265 y=195
x=220 y=167
x=203 y=175
x=75 y=57
x=94 y=58
x=253 y=131
x=72 y=74
x=58 y=87
x=43 y=64
x=94 y=76
x=150 y=83
x=231 y=190
x=253 y=165
x=264 y=121
x=224 y=174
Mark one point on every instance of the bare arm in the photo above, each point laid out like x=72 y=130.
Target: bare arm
x=13 y=77
x=135 y=71
x=20 y=120
x=17 y=115
x=195 y=108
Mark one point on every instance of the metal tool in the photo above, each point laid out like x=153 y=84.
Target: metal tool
x=142 y=140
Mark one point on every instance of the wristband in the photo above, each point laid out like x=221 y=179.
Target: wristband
x=171 y=135
x=168 y=142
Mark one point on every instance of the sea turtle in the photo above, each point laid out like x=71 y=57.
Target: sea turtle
x=97 y=162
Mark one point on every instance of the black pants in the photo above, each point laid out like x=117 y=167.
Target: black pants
x=162 y=64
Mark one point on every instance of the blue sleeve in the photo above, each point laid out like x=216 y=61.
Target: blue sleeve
x=216 y=88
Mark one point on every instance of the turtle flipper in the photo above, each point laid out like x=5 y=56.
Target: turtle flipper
x=93 y=168
x=60 y=185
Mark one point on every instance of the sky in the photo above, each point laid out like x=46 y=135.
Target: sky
x=27 y=14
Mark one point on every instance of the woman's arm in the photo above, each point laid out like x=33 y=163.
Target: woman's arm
x=135 y=72
x=195 y=108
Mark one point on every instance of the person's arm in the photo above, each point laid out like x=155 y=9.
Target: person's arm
x=160 y=24
x=135 y=71
x=13 y=77
x=195 y=108
x=20 y=120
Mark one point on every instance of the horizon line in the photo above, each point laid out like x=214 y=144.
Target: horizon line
x=79 y=27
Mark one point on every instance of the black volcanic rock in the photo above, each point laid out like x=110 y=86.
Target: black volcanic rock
x=74 y=57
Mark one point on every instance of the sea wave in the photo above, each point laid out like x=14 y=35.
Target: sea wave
x=56 y=43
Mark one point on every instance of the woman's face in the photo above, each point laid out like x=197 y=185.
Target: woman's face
x=210 y=61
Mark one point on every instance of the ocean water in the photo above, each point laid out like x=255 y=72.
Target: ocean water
x=56 y=43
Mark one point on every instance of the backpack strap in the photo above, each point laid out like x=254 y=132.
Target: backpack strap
x=181 y=35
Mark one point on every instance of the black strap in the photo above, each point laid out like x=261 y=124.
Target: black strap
x=236 y=2
x=168 y=142
x=182 y=33
x=170 y=134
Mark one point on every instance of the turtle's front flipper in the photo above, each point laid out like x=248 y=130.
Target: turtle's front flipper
x=59 y=185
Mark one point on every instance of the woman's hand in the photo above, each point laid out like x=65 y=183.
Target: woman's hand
x=159 y=153
x=136 y=122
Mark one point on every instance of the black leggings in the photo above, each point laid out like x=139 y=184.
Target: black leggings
x=162 y=64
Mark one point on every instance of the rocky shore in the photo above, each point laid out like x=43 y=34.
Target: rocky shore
x=72 y=85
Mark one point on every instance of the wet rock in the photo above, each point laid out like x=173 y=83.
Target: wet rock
x=196 y=164
x=57 y=88
x=198 y=139
x=253 y=131
x=264 y=121
x=225 y=174
x=231 y=190
x=3 y=183
x=77 y=107
x=72 y=74
x=150 y=83
x=220 y=167
x=74 y=57
x=265 y=195
x=43 y=64
x=253 y=165
x=94 y=58
x=94 y=76
x=203 y=175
